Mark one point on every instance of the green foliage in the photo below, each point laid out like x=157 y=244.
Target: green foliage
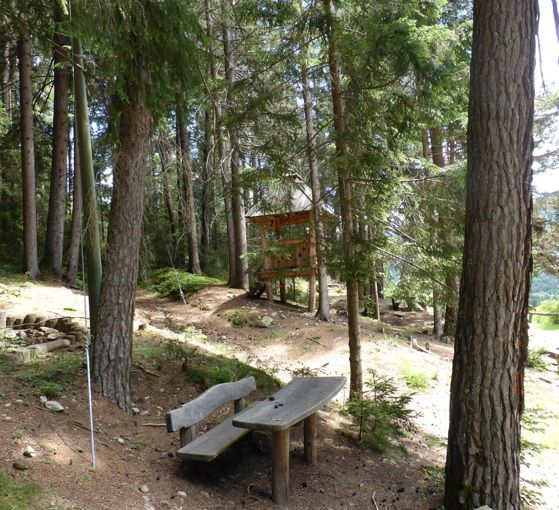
x=416 y=380
x=244 y=318
x=51 y=373
x=548 y=307
x=533 y=421
x=17 y=496
x=177 y=284
x=536 y=359
x=382 y=415
x=435 y=480
x=545 y=287
x=208 y=369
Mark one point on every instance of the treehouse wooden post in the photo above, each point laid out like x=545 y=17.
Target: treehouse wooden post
x=291 y=258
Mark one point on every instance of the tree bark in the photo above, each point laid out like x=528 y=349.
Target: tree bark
x=31 y=263
x=208 y=178
x=187 y=192
x=112 y=349
x=323 y=311
x=241 y=280
x=487 y=394
x=344 y=198
x=225 y=180
x=6 y=45
x=73 y=253
x=54 y=241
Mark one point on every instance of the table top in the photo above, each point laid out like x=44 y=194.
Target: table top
x=302 y=397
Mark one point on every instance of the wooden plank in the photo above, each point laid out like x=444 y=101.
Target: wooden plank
x=310 y=439
x=196 y=410
x=299 y=399
x=209 y=445
x=280 y=467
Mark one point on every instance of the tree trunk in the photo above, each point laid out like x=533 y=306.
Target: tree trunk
x=225 y=180
x=344 y=198
x=90 y=224
x=5 y=63
x=167 y=193
x=73 y=253
x=27 y=157
x=112 y=349
x=208 y=177
x=487 y=395
x=323 y=311
x=241 y=280
x=54 y=241
x=188 y=194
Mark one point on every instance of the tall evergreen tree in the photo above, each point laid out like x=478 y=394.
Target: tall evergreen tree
x=487 y=395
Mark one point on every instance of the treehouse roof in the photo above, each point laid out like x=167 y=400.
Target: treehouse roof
x=290 y=204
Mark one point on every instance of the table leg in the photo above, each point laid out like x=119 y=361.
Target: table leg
x=280 y=467
x=310 y=439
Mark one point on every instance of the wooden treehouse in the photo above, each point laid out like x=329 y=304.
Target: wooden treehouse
x=283 y=256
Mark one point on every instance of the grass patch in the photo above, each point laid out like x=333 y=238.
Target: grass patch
x=152 y=354
x=434 y=483
x=208 y=369
x=176 y=284
x=50 y=375
x=536 y=359
x=17 y=496
x=245 y=318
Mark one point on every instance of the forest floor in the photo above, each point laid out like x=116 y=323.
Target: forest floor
x=136 y=463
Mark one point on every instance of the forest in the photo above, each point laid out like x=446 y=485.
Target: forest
x=366 y=165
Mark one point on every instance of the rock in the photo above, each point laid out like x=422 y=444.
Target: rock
x=144 y=489
x=120 y=440
x=43 y=399
x=49 y=331
x=164 y=505
x=54 y=406
x=266 y=321
x=204 y=493
x=7 y=418
x=135 y=411
x=21 y=466
x=9 y=334
x=22 y=334
x=181 y=494
x=29 y=452
x=53 y=336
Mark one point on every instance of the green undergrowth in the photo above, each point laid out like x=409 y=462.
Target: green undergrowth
x=176 y=284
x=382 y=416
x=17 y=496
x=202 y=367
x=49 y=375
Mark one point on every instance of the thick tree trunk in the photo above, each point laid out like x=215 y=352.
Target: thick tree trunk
x=344 y=198
x=73 y=253
x=31 y=263
x=483 y=458
x=112 y=349
x=187 y=192
x=241 y=280
x=323 y=311
x=54 y=241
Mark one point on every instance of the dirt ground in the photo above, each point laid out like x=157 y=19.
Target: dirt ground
x=136 y=463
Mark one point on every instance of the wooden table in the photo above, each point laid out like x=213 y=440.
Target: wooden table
x=299 y=400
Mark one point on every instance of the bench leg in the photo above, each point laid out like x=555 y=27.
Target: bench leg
x=280 y=467
x=310 y=439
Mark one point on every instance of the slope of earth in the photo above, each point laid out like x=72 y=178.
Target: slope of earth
x=135 y=454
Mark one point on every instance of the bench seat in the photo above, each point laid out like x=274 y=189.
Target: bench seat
x=210 y=444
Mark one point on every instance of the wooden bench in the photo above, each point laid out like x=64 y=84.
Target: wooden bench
x=185 y=418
